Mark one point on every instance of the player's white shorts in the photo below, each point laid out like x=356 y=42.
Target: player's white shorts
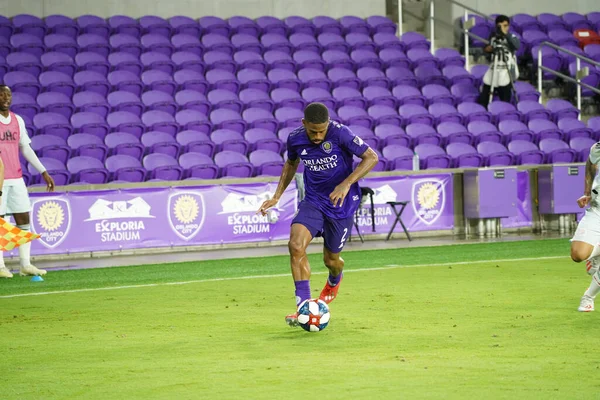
x=588 y=230
x=15 y=198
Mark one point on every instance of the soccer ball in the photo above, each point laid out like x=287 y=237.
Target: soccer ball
x=313 y=315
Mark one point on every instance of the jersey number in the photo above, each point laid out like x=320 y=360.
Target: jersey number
x=343 y=238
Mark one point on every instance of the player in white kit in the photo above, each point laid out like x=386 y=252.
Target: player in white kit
x=14 y=195
x=585 y=245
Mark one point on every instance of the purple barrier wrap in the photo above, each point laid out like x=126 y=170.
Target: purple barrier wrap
x=431 y=204
x=525 y=216
x=157 y=217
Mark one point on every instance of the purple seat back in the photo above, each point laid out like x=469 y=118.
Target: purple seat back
x=233 y=164
x=464 y=155
x=432 y=156
x=162 y=166
x=87 y=169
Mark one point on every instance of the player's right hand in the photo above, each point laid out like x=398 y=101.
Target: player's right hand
x=266 y=205
x=583 y=201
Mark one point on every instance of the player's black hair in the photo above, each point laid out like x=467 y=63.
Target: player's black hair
x=316 y=113
x=502 y=18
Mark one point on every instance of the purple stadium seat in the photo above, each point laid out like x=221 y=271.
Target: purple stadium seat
x=29 y=24
x=582 y=146
x=284 y=79
x=478 y=71
x=593 y=79
x=325 y=24
x=422 y=58
x=94 y=43
x=159 y=80
x=319 y=95
x=156 y=25
x=88 y=145
x=263 y=139
x=305 y=41
x=233 y=164
x=160 y=121
x=495 y=154
x=274 y=41
x=399 y=157
x=557 y=151
x=338 y=59
x=437 y=94
x=483 y=28
x=55 y=102
x=125 y=43
x=198 y=165
x=243 y=25
x=220 y=60
x=573 y=128
x=89 y=122
x=187 y=43
x=484 y=132
x=576 y=21
x=525 y=23
x=445 y=113
x=298 y=24
x=366 y=58
x=413 y=113
x=534 y=38
x=450 y=57
x=503 y=111
x=192 y=80
x=266 y=162
x=6 y=27
x=594 y=125
x=309 y=59
x=562 y=109
x=423 y=133
x=247 y=42
x=409 y=95
x=219 y=79
x=5 y=47
x=545 y=129
x=465 y=156
x=379 y=96
x=125 y=168
x=383 y=114
x=270 y=24
x=464 y=92
x=342 y=77
x=24 y=105
x=124 y=143
x=87 y=169
x=395 y=58
x=288 y=116
x=227 y=119
x=162 y=166
x=161 y=142
x=215 y=25
x=284 y=133
x=526 y=91
x=52 y=124
x=221 y=98
x=123 y=121
x=432 y=157
x=121 y=61
x=352 y=23
x=454 y=132
x=458 y=75
x=191 y=100
x=279 y=59
x=284 y=97
x=188 y=60
x=427 y=74
x=332 y=41
x=388 y=41
x=92 y=81
x=53 y=81
x=562 y=37
x=126 y=101
x=414 y=40
x=254 y=79
x=360 y=41
x=89 y=61
x=27 y=43
x=125 y=25
x=55 y=168
x=52 y=146
x=59 y=62
x=22 y=82
x=161 y=101
x=260 y=118
x=250 y=60
x=193 y=120
x=380 y=24
x=551 y=22
x=367 y=135
x=198 y=142
x=94 y=25
x=352 y=115
x=157 y=61
x=372 y=77
x=533 y=110
x=216 y=42
x=516 y=130
x=256 y=98
x=24 y=62
x=474 y=112
x=62 y=44
x=550 y=59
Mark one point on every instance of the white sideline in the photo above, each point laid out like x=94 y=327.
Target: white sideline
x=387 y=267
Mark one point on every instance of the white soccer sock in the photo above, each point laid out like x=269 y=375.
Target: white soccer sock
x=595 y=252
x=2 y=265
x=25 y=249
x=594 y=286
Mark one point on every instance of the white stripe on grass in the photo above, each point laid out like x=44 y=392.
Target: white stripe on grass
x=387 y=267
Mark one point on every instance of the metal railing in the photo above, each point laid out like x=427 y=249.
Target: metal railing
x=579 y=74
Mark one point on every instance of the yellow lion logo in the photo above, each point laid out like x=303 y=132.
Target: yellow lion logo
x=186 y=209
x=50 y=216
x=428 y=196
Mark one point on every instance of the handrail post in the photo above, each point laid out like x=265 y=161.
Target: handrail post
x=466 y=38
x=431 y=25
x=400 y=31
x=539 y=73
x=577 y=75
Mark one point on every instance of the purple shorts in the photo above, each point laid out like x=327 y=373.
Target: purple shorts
x=334 y=231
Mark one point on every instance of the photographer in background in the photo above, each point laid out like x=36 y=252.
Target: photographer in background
x=503 y=46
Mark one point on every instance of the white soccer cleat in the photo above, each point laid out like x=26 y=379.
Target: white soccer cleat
x=5 y=273
x=586 y=305
x=592 y=265
x=31 y=270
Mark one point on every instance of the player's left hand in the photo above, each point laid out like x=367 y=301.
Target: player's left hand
x=49 y=181
x=339 y=194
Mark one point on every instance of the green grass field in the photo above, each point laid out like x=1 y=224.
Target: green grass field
x=468 y=328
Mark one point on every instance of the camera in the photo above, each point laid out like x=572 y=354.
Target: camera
x=499 y=32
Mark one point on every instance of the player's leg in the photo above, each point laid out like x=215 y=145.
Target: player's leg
x=584 y=247
x=335 y=233
x=19 y=205
x=4 y=272
x=307 y=224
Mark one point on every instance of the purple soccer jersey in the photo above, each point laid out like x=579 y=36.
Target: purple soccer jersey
x=326 y=165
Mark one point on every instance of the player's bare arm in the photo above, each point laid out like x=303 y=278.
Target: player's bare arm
x=368 y=160
x=289 y=170
x=1 y=177
x=590 y=174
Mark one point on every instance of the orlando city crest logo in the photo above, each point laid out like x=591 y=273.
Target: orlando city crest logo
x=326 y=146
x=51 y=220
x=428 y=199
x=186 y=214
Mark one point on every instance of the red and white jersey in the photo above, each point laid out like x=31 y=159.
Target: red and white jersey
x=12 y=135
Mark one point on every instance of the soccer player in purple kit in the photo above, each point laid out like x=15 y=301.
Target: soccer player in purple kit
x=332 y=196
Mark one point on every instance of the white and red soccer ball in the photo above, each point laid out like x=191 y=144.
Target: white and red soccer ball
x=313 y=315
